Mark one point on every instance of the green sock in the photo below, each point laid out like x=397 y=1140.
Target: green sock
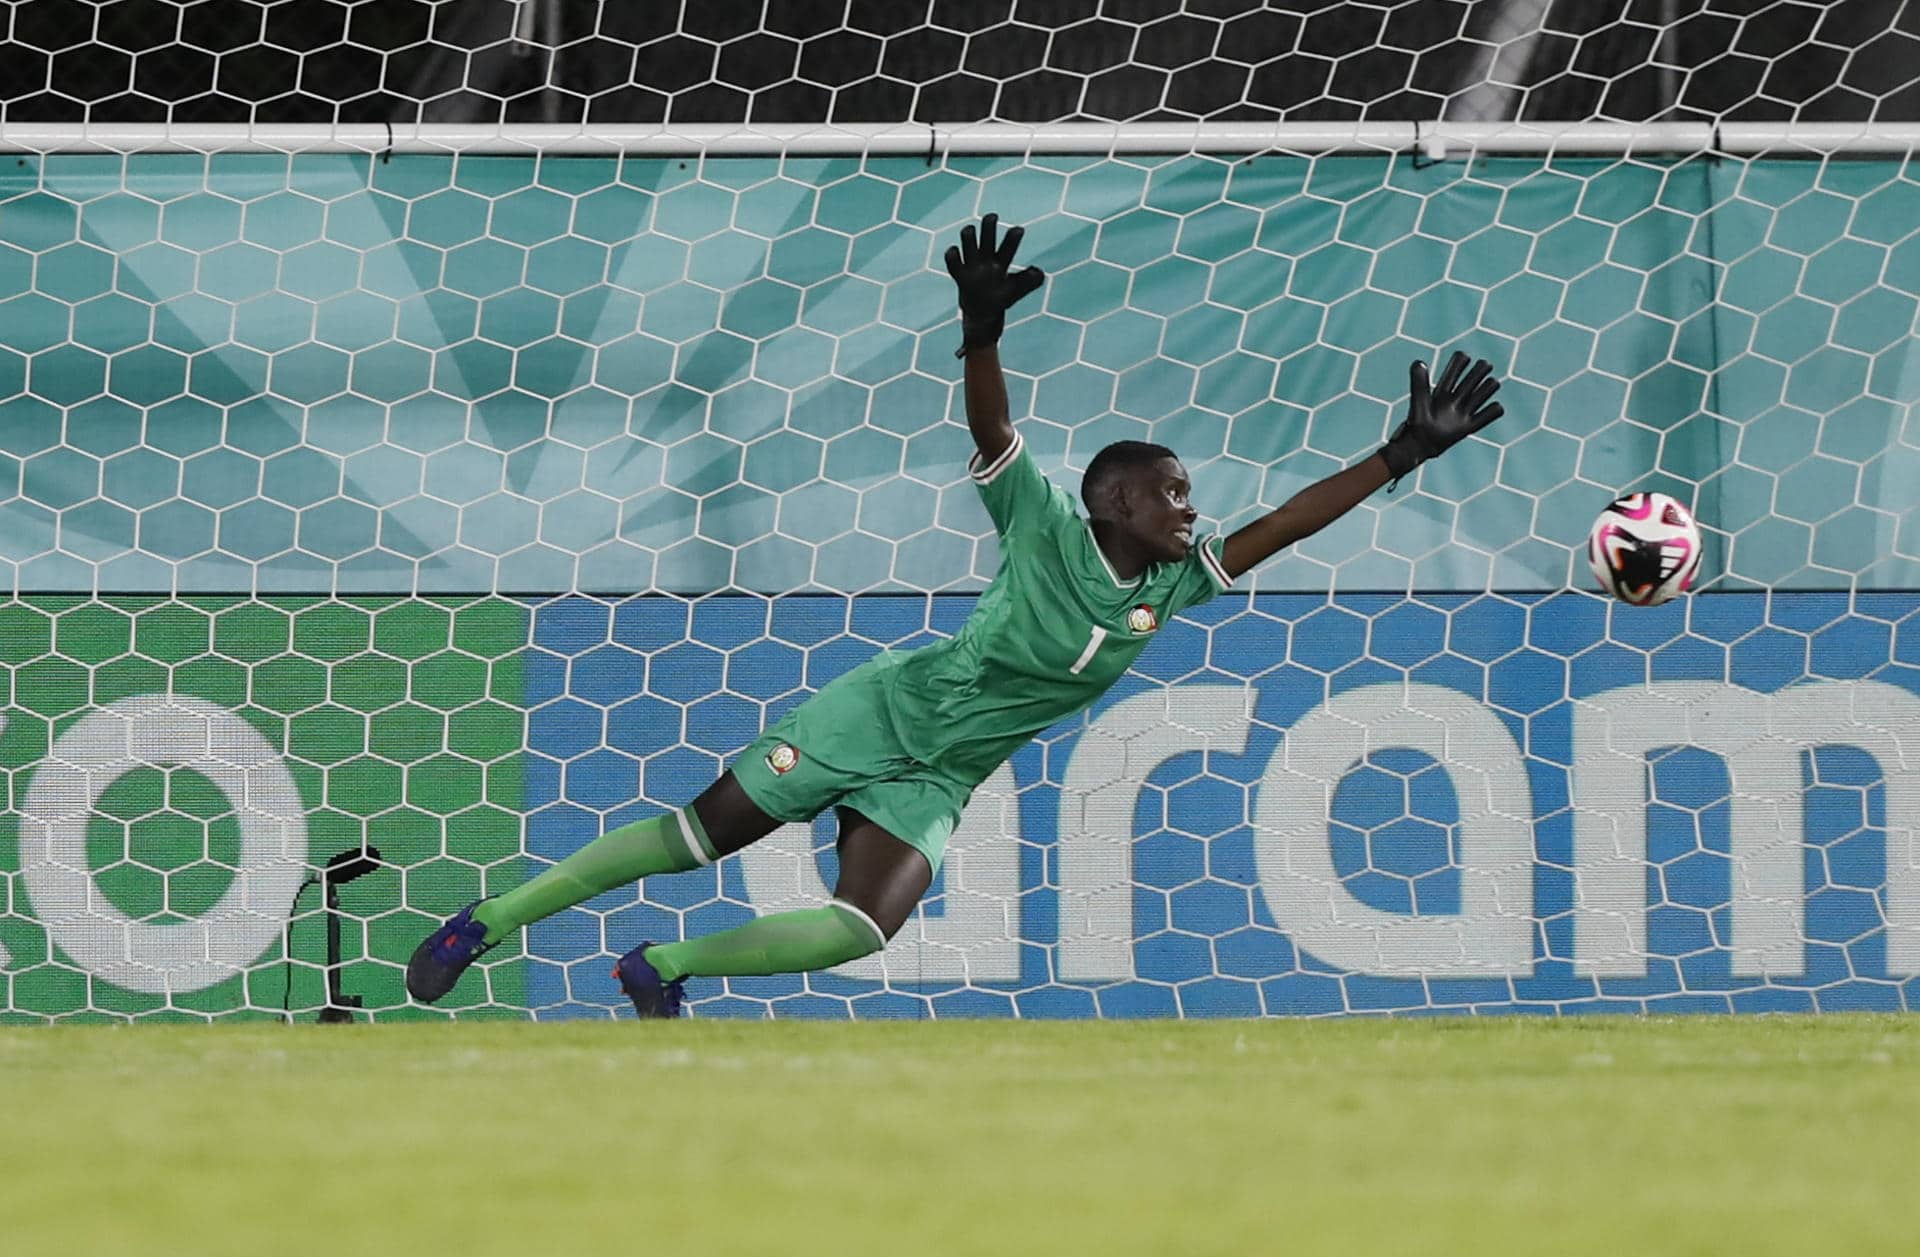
x=786 y=942
x=669 y=843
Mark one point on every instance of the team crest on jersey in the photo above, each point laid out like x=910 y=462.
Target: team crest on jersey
x=782 y=758
x=1142 y=619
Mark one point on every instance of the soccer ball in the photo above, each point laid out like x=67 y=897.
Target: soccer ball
x=1644 y=548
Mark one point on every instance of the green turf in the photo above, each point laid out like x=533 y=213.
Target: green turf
x=1604 y=1135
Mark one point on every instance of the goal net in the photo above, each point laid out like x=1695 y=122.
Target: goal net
x=457 y=429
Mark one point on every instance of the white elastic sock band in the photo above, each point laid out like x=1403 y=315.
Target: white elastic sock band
x=690 y=834
x=879 y=935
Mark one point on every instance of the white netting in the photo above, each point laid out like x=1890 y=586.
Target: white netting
x=887 y=61
x=502 y=495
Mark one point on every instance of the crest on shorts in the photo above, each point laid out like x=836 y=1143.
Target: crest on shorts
x=1142 y=619
x=782 y=758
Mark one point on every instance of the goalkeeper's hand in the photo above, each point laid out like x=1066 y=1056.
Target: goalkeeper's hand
x=1441 y=415
x=988 y=288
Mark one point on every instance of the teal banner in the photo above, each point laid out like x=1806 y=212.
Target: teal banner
x=324 y=373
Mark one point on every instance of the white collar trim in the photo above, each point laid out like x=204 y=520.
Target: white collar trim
x=1107 y=563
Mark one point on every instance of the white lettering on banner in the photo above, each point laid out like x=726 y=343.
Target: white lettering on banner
x=1492 y=935
x=1763 y=738
x=977 y=938
x=1613 y=734
x=1099 y=794
x=155 y=730
x=1891 y=716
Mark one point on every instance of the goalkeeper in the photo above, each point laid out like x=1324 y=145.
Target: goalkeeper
x=897 y=745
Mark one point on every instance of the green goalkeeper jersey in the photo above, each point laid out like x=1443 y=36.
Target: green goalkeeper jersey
x=1054 y=630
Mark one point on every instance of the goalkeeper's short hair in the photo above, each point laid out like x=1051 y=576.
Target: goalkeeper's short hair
x=1113 y=462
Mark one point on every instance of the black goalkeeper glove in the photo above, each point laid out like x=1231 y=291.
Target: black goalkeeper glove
x=1441 y=416
x=979 y=266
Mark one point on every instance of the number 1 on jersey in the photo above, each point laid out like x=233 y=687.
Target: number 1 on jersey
x=1086 y=656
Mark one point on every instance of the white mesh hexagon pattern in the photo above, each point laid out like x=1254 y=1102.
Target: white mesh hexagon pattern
x=466 y=498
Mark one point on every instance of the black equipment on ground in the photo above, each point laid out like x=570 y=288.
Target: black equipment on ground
x=338 y=871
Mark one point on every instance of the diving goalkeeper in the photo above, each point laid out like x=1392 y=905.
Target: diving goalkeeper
x=897 y=745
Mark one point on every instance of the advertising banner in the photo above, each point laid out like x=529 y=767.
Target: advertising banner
x=1303 y=806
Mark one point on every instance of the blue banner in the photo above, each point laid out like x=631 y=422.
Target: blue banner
x=1303 y=806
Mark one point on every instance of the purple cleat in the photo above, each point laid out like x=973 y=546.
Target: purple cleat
x=651 y=997
x=444 y=955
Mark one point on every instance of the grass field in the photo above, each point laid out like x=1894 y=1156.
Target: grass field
x=1601 y=1135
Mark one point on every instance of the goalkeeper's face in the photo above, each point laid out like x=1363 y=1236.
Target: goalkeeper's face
x=1160 y=520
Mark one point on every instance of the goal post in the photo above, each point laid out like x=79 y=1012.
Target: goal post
x=462 y=489
x=935 y=140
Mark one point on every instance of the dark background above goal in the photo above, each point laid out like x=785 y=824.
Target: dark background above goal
x=1028 y=61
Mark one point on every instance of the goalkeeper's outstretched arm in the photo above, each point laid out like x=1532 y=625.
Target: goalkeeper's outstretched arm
x=1439 y=416
x=981 y=268
x=987 y=416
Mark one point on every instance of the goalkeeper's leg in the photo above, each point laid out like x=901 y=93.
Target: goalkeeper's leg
x=721 y=821
x=881 y=879
x=718 y=823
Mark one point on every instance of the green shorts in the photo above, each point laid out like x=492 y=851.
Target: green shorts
x=838 y=749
